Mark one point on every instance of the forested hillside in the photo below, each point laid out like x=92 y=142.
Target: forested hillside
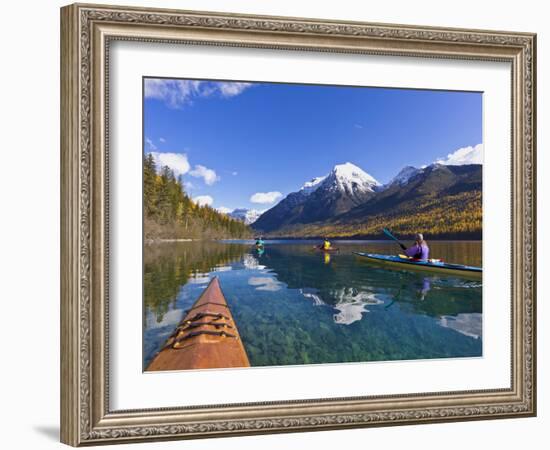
x=441 y=201
x=452 y=216
x=169 y=213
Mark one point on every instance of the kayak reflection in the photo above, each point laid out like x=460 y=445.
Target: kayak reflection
x=350 y=289
x=292 y=308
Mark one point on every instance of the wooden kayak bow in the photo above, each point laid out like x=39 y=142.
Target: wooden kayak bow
x=206 y=338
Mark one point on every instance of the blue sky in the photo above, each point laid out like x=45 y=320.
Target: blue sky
x=233 y=140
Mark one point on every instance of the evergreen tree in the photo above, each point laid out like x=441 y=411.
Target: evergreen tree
x=170 y=213
x=149 y=186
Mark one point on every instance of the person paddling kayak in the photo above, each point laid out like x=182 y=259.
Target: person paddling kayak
x=326 y=245
x=259 y=242
x=419 y=250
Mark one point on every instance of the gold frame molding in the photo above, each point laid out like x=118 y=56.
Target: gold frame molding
x=86 y=32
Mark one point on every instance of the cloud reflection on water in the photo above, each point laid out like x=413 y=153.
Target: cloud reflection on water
x=352 y=304
x=469 y=324
x=265 y=284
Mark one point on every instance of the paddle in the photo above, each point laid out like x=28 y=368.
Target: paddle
x=391 y=236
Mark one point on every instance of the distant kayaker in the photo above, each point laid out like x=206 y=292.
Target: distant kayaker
x=326 y=244
x=419 y=250
x=259 y=242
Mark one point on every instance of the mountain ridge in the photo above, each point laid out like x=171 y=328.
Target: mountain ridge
x=444 y=200
x=343 y=188
x=245 y=215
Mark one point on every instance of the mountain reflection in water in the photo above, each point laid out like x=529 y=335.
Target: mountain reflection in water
x=296 y=306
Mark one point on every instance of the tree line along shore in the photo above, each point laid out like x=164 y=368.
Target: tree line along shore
x=170 y=214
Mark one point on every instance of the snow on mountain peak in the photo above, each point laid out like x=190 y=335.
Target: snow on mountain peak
x=349 y=177
x=312 y=185
x=404 y=175
x=248 y=216
x=346 y=177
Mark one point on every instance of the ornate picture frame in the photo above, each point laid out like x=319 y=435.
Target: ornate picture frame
x=87 y=32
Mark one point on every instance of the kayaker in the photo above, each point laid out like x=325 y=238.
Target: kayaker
x=419 y=250
x=326 y=244
x=259 y=242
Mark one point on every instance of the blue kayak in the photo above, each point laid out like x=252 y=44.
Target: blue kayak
x=431 y=265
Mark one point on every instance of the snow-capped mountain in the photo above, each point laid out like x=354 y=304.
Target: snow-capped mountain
x=409 y=173
x=404 y=193
x=466 y=156
x=345 y=187
x=348 y=195
x=248 y=216
x=403 y=177
x=312 y=185
x=351 y=179
x=343 y=177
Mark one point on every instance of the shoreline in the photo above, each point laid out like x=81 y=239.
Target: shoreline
x=344 y=240
x=472 y=237
x=310 y=239
x=158 y=241
x=365 y=238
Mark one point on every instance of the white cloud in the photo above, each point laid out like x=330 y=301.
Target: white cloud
x=178 y=93
x=161 y=139
x=465 y=155
x=224 y=210
x=231 y=89
x=188 y=185
x=266 y=197
x=235 y=173
x=178 y=162
x=359 y=126
x=203 y=200
x=208 y=175
x=175 y=93
x=150 y=144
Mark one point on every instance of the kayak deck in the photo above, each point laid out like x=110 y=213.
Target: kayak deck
x=206 y=338
x=404 y=263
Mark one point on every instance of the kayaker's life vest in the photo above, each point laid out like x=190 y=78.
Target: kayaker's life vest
x=326 y=245
x=421 y=252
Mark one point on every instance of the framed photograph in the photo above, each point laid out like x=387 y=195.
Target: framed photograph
x=276 y=224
